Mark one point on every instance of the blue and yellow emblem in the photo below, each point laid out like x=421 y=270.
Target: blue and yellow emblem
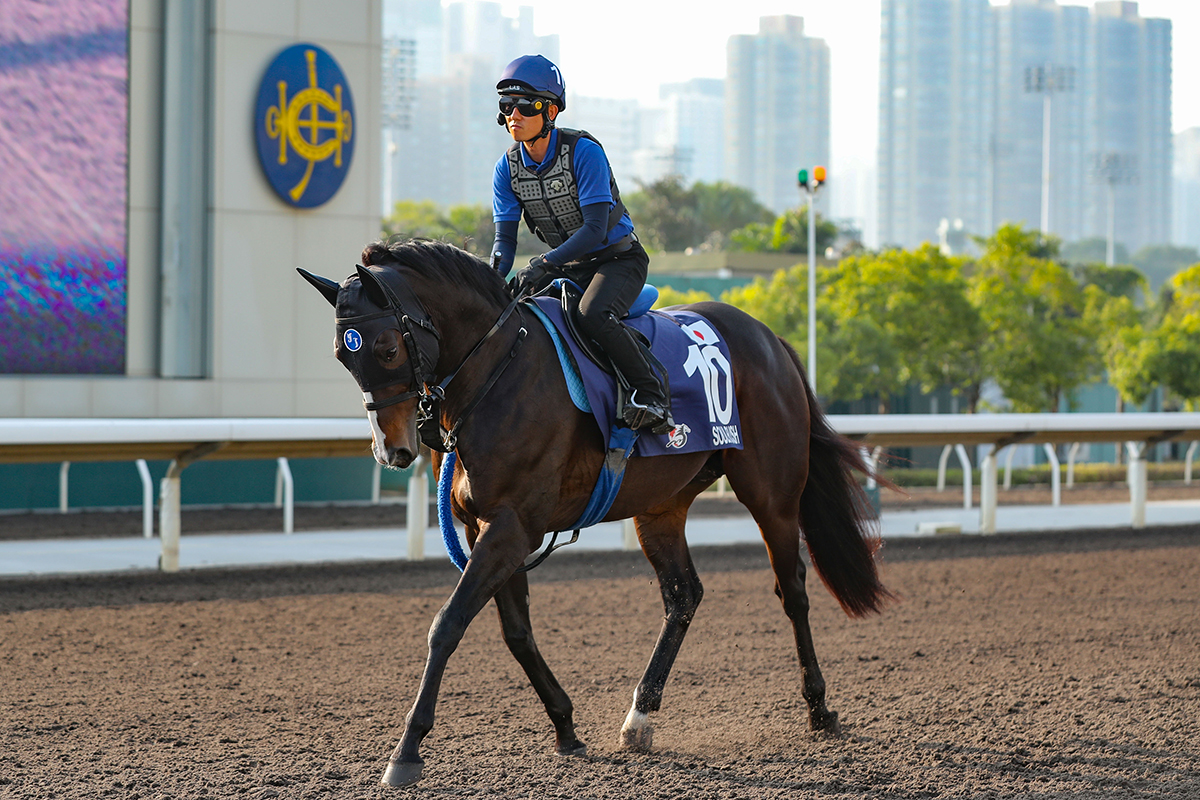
x=304 y=124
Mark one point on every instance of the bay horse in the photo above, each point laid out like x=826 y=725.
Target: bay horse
x=423 y=319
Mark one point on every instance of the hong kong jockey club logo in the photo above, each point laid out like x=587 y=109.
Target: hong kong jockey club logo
x=304 y=124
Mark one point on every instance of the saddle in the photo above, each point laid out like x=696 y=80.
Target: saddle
x=571 y=295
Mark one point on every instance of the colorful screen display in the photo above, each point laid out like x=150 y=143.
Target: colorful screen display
x=64 y=100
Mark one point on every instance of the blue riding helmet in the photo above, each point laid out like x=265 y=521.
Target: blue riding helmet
x=534 y=75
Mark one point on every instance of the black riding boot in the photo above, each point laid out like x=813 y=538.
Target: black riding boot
x=649 y=403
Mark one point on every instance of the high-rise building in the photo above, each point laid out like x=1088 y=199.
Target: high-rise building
x=691 y=135
x=616 y=124
x=1025 y=113
x=934 y=117
x=1039 y=70
x=1128 y=86
x=1186 y=209
x=480 y=30
x=412 y=48
x=449 y=154
x=418 y=22
x=776 y=109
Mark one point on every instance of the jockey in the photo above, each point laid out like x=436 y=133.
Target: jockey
x=561 y=182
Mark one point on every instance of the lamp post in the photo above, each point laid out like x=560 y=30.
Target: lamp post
x=809 y=184
x=1111 y=169
x=1047 y=80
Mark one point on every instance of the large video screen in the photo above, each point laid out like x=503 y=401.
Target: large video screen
x=64 y=100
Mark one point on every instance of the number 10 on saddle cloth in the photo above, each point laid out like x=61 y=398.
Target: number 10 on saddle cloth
x=700 y=373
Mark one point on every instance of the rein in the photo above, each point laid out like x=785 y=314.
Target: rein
x=432 y=397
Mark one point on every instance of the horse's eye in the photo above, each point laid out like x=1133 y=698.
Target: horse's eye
x=391 y=354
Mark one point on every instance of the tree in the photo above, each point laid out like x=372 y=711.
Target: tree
x=780 y=303
x=665 y=214
x=672 y=297
x=1113 y=281
x=921 y=297
x=723 y=207
x=1174 y=355
x=1158 y=262
x=788 y=234
x=920 y=319
x=1093 y=250
x=1125 y=347
x=1038 y=343
x=468 y=227
x=671 y=216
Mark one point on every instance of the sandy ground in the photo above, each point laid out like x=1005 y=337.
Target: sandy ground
x=1060 y=665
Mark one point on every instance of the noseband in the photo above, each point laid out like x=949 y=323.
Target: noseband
x=413 y=321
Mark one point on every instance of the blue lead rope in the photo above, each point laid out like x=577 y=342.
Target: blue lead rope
x=445 y=522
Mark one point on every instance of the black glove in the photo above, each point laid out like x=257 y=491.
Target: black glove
x=527 y=278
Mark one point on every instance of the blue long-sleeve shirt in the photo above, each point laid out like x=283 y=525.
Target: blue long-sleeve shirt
x=591 y=171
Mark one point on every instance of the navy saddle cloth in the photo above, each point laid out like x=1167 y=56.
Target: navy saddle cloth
x=698 y=367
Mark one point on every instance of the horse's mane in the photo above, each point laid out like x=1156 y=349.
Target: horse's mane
x=439 y=261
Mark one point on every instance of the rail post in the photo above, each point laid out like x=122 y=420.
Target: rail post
x=168 y=521
x=417 y=511
x=1137 y=484
x=987 y=492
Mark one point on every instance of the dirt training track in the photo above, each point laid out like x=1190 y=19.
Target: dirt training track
x=1061 y=665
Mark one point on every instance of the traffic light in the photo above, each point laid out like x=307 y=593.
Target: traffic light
x=818 y=178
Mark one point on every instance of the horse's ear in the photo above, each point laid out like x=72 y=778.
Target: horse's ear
x=371 y=285
x=323 y=285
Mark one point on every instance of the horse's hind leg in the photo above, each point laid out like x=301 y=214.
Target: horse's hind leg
x=662 y=540
x=512 y=604
x=777 y=513
x=783 y=546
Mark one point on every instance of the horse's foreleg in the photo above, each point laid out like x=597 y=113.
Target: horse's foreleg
x=512 y=604
x=662 y=541
x=499 y=550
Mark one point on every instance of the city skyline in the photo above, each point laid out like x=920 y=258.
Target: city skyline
x=850 y=27
x=634 y=84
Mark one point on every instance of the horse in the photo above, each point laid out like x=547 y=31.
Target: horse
x=432 y=334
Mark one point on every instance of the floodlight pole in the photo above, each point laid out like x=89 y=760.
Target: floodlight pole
x=812 y=292
x=1047 y=80
x=1111 y=169
x=1046 y=163
x=809 y=184
x=1110 y=245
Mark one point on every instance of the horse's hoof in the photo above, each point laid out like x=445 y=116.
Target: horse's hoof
x=402 y=773
x=637 y=739
x=576 y=748
x=826 y=724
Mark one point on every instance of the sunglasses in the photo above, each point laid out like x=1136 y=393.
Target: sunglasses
x=528 y=106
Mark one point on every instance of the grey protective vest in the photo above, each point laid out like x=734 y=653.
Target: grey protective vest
x=550 y=201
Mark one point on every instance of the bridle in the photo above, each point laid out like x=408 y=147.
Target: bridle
x=414 y=323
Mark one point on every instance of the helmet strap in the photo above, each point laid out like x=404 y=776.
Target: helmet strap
x=547 y=124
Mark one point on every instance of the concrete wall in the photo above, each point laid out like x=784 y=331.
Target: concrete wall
x=271 y=334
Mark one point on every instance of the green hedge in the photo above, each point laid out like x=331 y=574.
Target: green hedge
x=1040 y=474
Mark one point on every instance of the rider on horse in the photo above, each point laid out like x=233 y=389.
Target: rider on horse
x=560 y=180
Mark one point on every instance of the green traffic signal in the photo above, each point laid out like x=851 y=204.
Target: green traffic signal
x=802 y=178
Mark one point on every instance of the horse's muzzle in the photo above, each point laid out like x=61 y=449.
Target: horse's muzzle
x=400 y=457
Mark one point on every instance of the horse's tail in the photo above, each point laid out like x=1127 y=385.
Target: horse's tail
x=835 y=514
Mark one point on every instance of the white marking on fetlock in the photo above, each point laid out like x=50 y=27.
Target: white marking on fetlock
x=635 y=720
x=637 y=733
x=378 y=441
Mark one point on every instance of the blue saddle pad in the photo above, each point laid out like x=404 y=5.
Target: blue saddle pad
x=698 y=365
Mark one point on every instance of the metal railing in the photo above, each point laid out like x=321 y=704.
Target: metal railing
x=185 y=441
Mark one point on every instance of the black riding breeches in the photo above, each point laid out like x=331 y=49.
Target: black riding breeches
x=610 y=288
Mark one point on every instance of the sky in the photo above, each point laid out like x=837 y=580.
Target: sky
x=626 y=48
